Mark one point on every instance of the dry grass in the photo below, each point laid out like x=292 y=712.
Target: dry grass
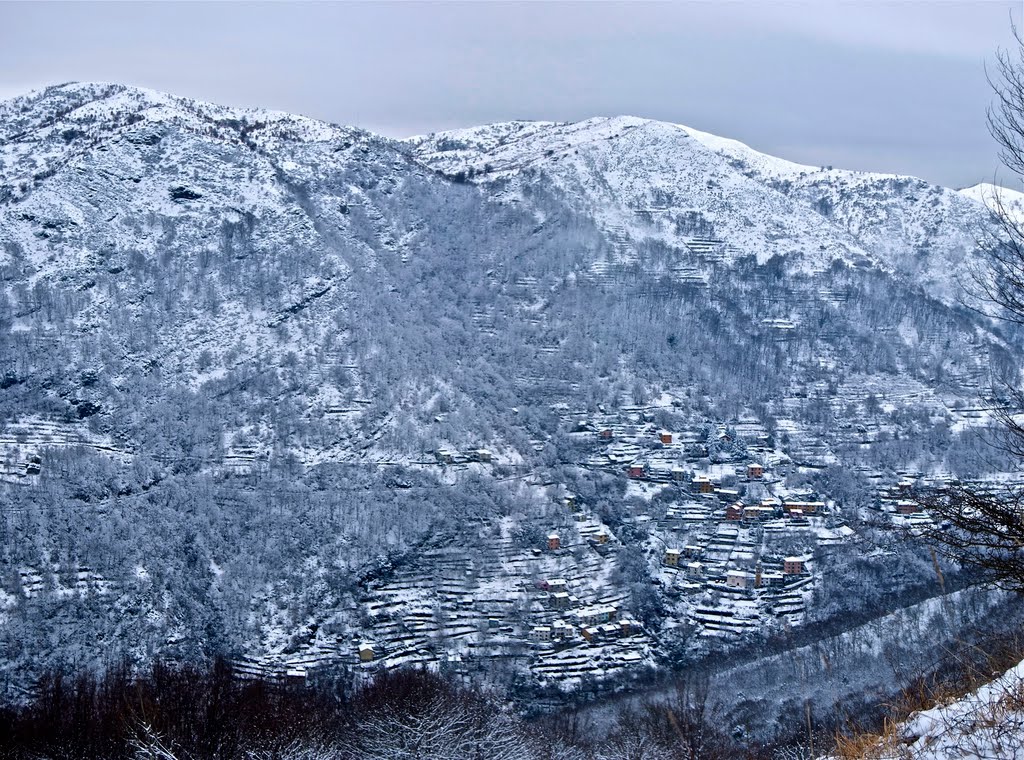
x=1013 y=698
x=887 y=745
x=965 y=671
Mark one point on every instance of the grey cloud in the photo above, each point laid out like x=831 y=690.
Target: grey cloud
x=888 y=87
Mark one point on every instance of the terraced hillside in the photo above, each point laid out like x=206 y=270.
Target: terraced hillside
x=284 y=389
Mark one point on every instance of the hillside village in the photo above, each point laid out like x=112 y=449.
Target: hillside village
x=730 y=550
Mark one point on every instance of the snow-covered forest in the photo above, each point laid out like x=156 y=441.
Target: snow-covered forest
x=317 y=401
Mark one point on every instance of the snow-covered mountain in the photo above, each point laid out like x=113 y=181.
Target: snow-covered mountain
x=1002 y=200
x=640 y=180
x=100 y=180
x=274 y=387
x=654 y=180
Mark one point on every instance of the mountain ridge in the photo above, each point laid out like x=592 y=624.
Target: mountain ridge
x=841 y=212
x=727 y=146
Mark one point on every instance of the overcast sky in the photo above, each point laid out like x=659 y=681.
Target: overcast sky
x=889 y=87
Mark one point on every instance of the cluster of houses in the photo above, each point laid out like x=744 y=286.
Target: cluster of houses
x=446 y=456
x=730 y=505
x=769 y=509
x=662 y=471
x=717 y=562
x=599 y=539
x=631 y=443
x=689 y=559
x=708 y=495
x=14 y=467
x=592 y=624
x=899 y=499
x=903 y=501
x=659 y=455
x=770 y=516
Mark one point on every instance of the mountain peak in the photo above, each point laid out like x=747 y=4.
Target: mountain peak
x=997 y=198
x=46 y=130
x=487 y=138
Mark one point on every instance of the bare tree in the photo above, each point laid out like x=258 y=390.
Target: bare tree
x=983 y=527
x=999 y=281
x=443 y=728
x=407 y=716
x=147 y=744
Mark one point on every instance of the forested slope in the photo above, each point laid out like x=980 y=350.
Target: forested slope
x=236 y=340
